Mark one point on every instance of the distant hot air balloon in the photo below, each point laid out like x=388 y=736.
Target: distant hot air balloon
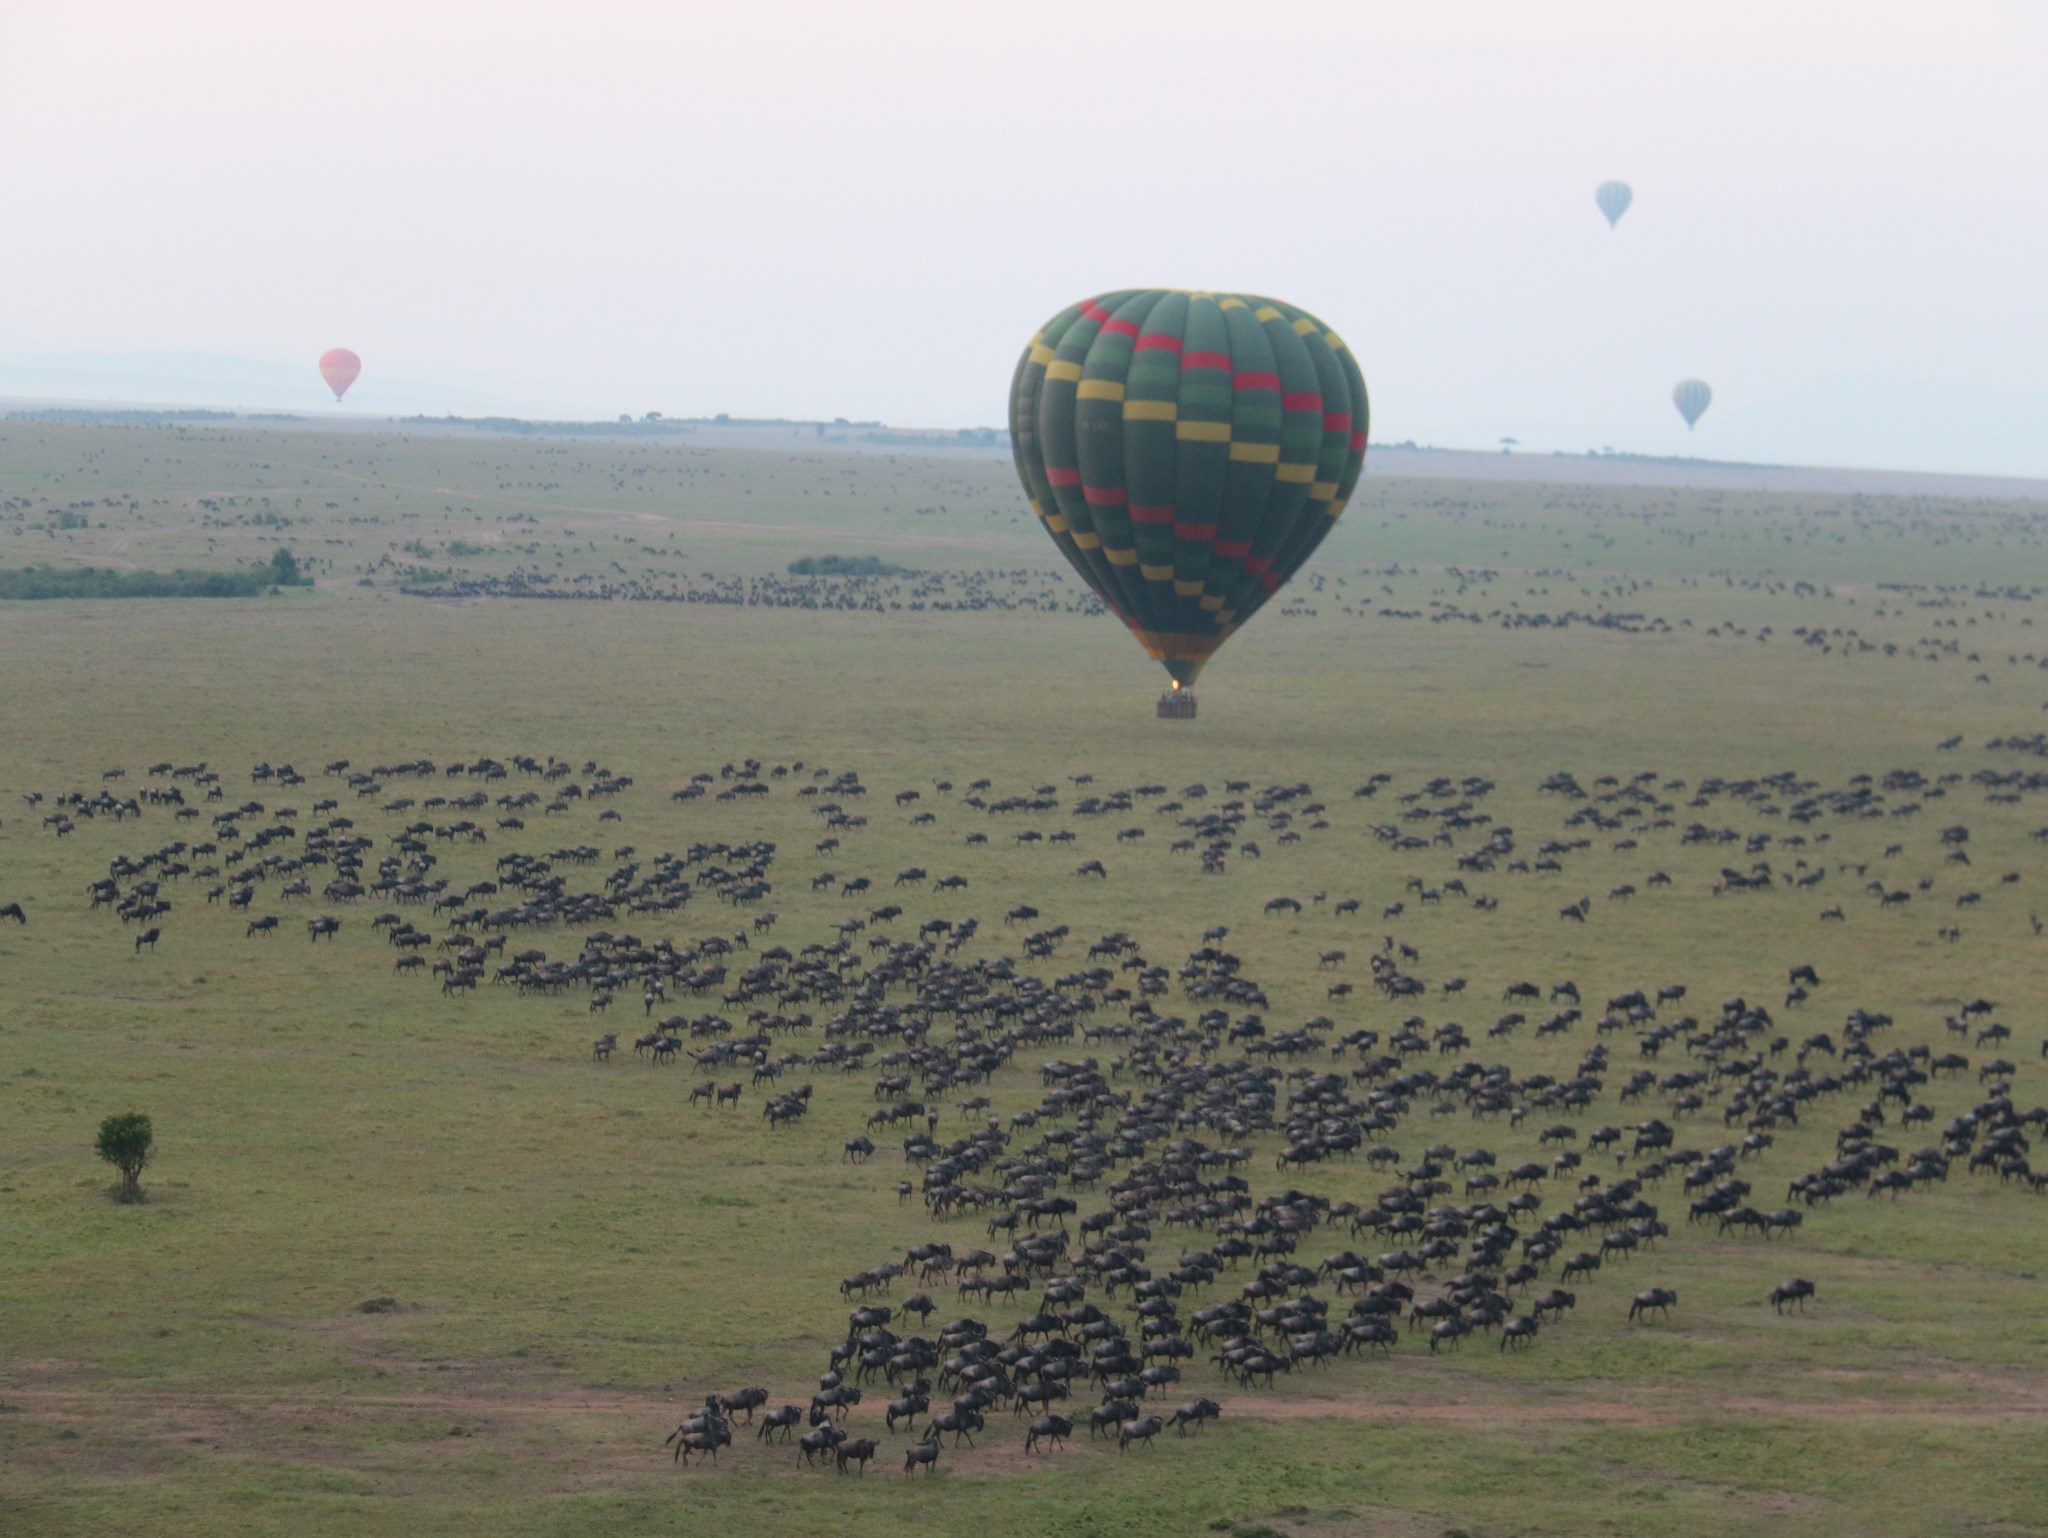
x=1614 y=199
x=1187 y=451
x=1692 y=398
x=339 y=367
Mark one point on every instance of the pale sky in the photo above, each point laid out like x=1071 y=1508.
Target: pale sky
x=783 y=208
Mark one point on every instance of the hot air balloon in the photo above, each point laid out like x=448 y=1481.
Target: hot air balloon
x=339 y=367
x=1614 y=199
x=1187 y=451
x=1692 y=398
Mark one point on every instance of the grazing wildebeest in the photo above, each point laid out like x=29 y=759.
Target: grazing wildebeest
x=265 y=926
x=1659 y=1298
x=923 y=1454
x=148 y=937
x=784 y=1420
x=603 y=1048
x=858 y=1451
x=729 y=1093
x=13 y=911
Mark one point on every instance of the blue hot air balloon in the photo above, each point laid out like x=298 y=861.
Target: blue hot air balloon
x=1692 y=398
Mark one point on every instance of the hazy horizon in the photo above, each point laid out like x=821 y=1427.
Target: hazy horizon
x=796 y=210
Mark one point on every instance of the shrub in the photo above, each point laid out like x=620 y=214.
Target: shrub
x=125 y=1142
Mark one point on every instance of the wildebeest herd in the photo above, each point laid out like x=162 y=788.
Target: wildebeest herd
x=1153 y=1194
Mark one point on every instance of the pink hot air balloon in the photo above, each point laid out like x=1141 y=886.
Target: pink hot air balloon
x=339 y=367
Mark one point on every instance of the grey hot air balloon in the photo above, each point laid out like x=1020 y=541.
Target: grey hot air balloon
x=1692 y=398
x=1614 y=199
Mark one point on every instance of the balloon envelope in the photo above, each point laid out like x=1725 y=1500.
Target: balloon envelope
x=1692 y=398
x=1614 y=199
x=339 y=367
x=1187 y=451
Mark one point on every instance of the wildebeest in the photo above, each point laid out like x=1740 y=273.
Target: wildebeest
x=1052 y=1428
x=1796 y=1291
x=1143 y=1430
x=1659 y=1298
x=1194 y=1413
x=819 y=1442
x=857 y=1451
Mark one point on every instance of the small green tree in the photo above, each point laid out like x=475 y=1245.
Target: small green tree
x=284 y=569
x=125 y=1142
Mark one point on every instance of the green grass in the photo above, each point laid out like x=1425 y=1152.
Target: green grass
x=578 y=1255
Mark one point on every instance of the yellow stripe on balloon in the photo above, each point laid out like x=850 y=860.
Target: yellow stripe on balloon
x=1205 y=432
x=1040 y=353
x=1101 y=390
x=1155 y=573
x=1304 y=326
x=1295 y=474
x=1266 y=313
x=1322 y=491
x=1124 y=557
x=1230 y=304
x=1256 y=453
x=1055 y=522
x=1186 y=589
x=1065 y=369
x=1151 y=411
x=1088 y=541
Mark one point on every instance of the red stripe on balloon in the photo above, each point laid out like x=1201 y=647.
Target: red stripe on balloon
x=1119 y=328
x=1062 y=477
x=1190 y=360
x=1158 y=342
x=1233 y=549
x=1104 y=496
x=1302 y=400
x=1358 y=442
x=1096 y=313
x=1144 y=513
x=1258 y=564
x=1202 y=532
x=1336 y=421
x=1250 y=381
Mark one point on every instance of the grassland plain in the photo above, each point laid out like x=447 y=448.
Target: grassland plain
x=578 y=1256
